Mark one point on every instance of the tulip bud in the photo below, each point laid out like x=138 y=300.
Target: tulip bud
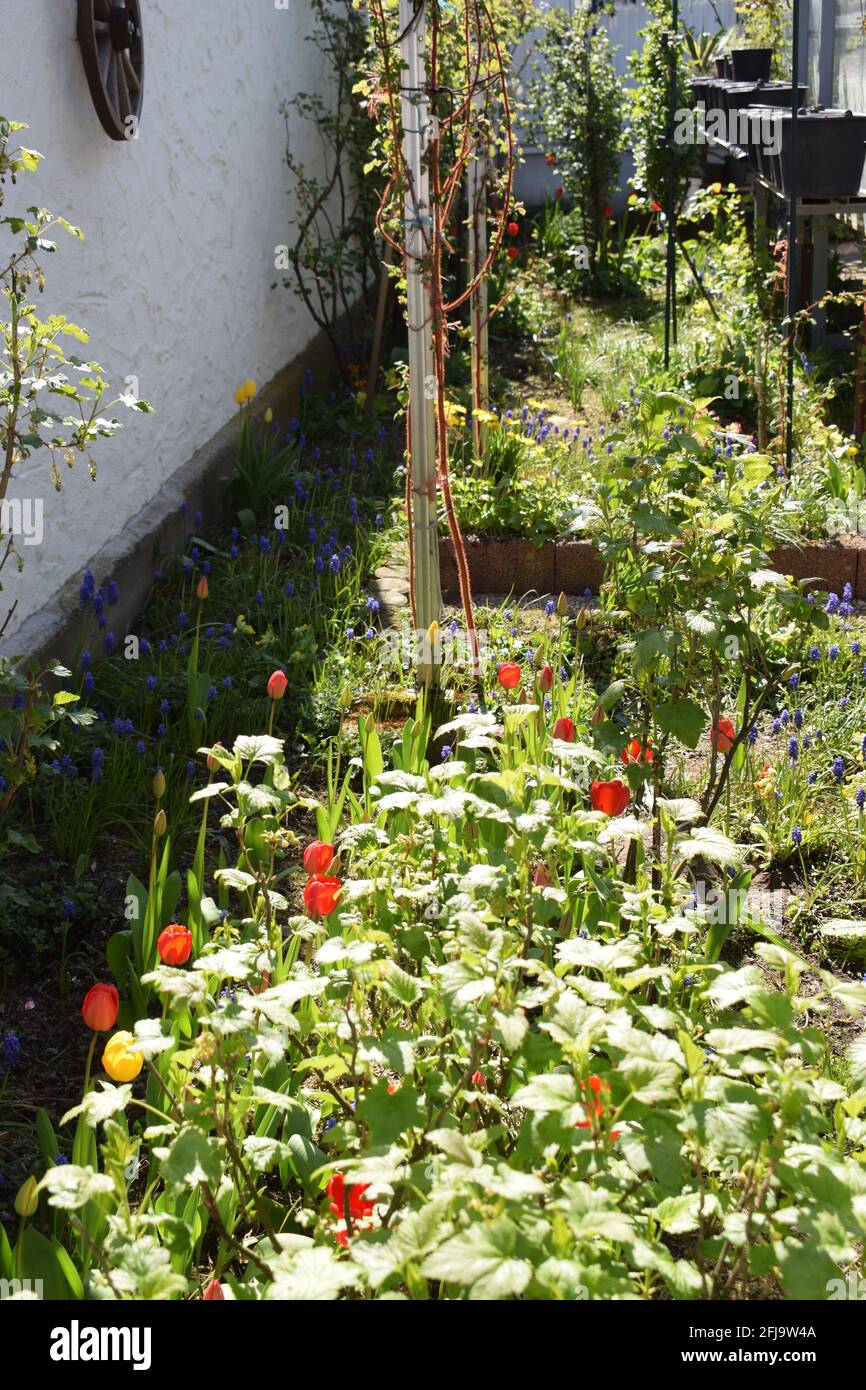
x=212 y=764
x=201 y=589
x=582 y=617
x=545 y=679
x=159 y=784
x=27 y=1200
x=561 y=606
x=598 y=716
x=479 y=1080
x=269 y=416
x=277 y=685
x=99 y=1010
x=538 y=658
x=160 y=824
x=121 y=1058
x=213 y=1290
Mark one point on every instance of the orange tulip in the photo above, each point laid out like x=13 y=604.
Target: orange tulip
x=100 y=1006
x=174 y=944
x=563 y=729
x=201 y=588
x=723 y=734
x=609 y=797
x=637 y=752
x=508 y=675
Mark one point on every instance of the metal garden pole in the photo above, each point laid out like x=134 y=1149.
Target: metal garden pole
x=415 y=109
x=793 y=288
x=476 y=196
x=671 y=270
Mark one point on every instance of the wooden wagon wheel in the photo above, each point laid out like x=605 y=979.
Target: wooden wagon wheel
x=112 y=47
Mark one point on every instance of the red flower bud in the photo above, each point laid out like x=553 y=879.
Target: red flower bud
x=564 y=729
x=174 y=944
x=508 y=675
x=545 y=679
x=321 y=895
x=551 y=159
x=512 y=252
x=541 y=878
x=609 y=797
x=559 y=193
x=318 y=857
x=100 y=1006
x=201 y=588
x=213 y=1290
x=479 y=1081
x=723 y=735
x=513 y=229
x=277 y=685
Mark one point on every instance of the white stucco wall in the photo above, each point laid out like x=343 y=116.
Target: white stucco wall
x=173 y=281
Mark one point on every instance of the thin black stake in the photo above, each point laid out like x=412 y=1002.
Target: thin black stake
x=671 y=269
x=793 y=283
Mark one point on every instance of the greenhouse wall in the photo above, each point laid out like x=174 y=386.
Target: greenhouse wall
x=190 y=278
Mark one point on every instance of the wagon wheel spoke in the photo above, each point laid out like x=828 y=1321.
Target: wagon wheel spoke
x=124 y=101
x=131 y=74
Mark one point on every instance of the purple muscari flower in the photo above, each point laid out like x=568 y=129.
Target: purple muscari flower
x=833 y=652
x=227 y=682
x=855 y=648
x=370 y=633
x=234 y=553
x=123 y=727
x=69 y=909
x=97 y=763
x=798 y=718
x=88 y=684
x=838 y=769
x=289 y=590
x=796 y=836
x=113 y=593
x=785 y=718
x=11 y=1051
x=196 y=521
x=844 y=702
x=860 y=799
x=334 y=564
x=182 y=619
x=776 y=726
x=752 y=736
x=190 y=769
x=812 y=778
x=832 y=604
x=793 y=749
x=85 y=661
x=144 y=647
x=151 y=682
x=814 y=654
x=109 y=643
x=212 y=693
x=195 y=554
x=141 y=748
x=372 y=605
x=350 y=633
x=847 y=593
x=161 y=730
x=87 y=588
x=794 y=681
x=446 y=752
x=259 y=597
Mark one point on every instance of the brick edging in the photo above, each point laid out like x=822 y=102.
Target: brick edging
x=517 y=566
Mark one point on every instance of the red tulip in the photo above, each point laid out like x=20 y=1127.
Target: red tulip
x=723 y=734
x=321 y=895
x=559 y=193
x=213 y=1290
x=349 y=1203
x=551 y=159
x=564 y=729
x=201 y=588
x=609 y=797
x=636 y=752
x=174 y=944
x=512 y=253
x=277 y=685
x=508 y=675
x=545 y=679
x=657 y=207
x=594 y=1107
x=608 y=211
x=479 y=1081
x=318 y=857
x=541 y=878
x=513 y=229
x=100 y=1006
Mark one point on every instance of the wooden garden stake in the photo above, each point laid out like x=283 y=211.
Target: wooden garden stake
x=476 y=198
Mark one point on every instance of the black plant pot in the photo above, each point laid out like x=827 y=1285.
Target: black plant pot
x=751 y=64
x=830 y=156
x=723 y=67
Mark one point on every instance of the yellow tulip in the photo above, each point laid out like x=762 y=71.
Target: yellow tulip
x=159 y=784
x=240 y=396
x=27 y=1199
x=269 y=416
x=250 y=389
x=121 y=1058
